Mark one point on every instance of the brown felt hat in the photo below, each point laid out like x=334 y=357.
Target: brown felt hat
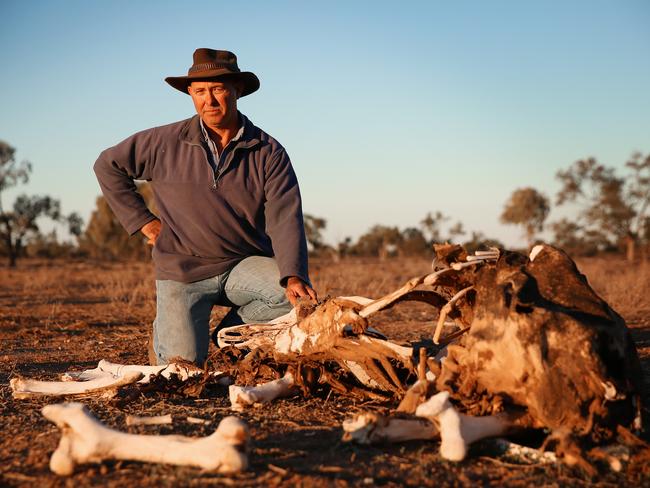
x=212 y=64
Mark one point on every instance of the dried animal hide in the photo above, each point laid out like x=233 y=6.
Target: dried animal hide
x=333 y=343
x=312 y=378
x=542 y=339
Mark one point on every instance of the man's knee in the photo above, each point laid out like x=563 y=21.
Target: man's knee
x=255 y=278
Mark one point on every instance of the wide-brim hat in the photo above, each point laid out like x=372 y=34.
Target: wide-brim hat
x=213 y=64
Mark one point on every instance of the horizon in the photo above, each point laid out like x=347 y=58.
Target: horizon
x=387 y=113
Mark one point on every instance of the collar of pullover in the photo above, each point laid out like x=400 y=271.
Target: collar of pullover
x=246 y=137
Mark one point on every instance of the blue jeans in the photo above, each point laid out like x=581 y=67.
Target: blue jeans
x=182 y=326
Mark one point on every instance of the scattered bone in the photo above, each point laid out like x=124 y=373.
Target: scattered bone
x=457 y=430
x=183 y=371
x=523 y=453
x=105 y=386
x=417 y=394
x=105 y=379
x=195 y=420
x=84 y=439
x=155 y=420
x=161 y=420
x=246 y=396
x=372 y=428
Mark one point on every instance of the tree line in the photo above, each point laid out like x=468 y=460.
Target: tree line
x=611 y=213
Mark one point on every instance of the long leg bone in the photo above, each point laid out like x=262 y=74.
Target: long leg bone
x=105 y=385
x=84 y=439
x=104 y=380
x=183 y=371
x=371 y=428
x=245 y=396
x=457 y=430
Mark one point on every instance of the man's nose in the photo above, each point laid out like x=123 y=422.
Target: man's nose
x=212 y=100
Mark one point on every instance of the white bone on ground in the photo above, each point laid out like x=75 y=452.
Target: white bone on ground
x=115 y=369
x=153 y=420
x=457 y=430
x=524 y=453
x=84 y=439
x=25 y=388
x=165 y=370
x=245 y=396
x=369 y=428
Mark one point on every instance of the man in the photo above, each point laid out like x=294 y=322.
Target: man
x=230 y=230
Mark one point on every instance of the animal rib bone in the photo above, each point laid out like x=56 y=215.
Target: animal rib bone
x=245 y=396
x=457 y=430
x=371 y=428
x=445 y=310
x=105 y=385
x=84 y=439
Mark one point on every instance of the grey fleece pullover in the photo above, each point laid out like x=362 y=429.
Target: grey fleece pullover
x=210 y=221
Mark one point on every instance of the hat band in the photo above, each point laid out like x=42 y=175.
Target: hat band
x=212 y=65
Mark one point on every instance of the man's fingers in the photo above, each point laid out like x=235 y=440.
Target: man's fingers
x=312 y=293
x=291 y=297
x=296 y=291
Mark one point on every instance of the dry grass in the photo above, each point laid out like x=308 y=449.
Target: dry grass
x=56 y=316
x=625 y=286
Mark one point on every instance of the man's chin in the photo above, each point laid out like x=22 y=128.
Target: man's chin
x=212 y=120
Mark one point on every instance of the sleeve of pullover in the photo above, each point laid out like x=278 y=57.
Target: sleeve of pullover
x=284 y=221
x=117 y=168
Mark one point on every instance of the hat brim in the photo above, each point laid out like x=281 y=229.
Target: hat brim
x=249 y=81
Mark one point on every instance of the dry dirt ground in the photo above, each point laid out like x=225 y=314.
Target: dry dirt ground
x=57 y=316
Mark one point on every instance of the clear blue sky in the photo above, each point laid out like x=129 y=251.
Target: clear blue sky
x=389 y=110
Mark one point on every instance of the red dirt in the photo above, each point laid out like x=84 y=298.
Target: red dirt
x=57 y=316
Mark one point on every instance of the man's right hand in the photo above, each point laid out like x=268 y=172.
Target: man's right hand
x=151 y=231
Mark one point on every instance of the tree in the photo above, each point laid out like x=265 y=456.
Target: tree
x=572 y=238
x=105 y=238
x=345 y=247
x=455 y=231
x=613 y=207
x=21 y=222
x=380 y=241
x=528 y=208
x=431 y=225
x=313 y=231
x=413 y=242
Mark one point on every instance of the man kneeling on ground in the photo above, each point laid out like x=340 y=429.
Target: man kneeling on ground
x=230 y=230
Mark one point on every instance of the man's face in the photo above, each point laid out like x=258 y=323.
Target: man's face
x=215 y=102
